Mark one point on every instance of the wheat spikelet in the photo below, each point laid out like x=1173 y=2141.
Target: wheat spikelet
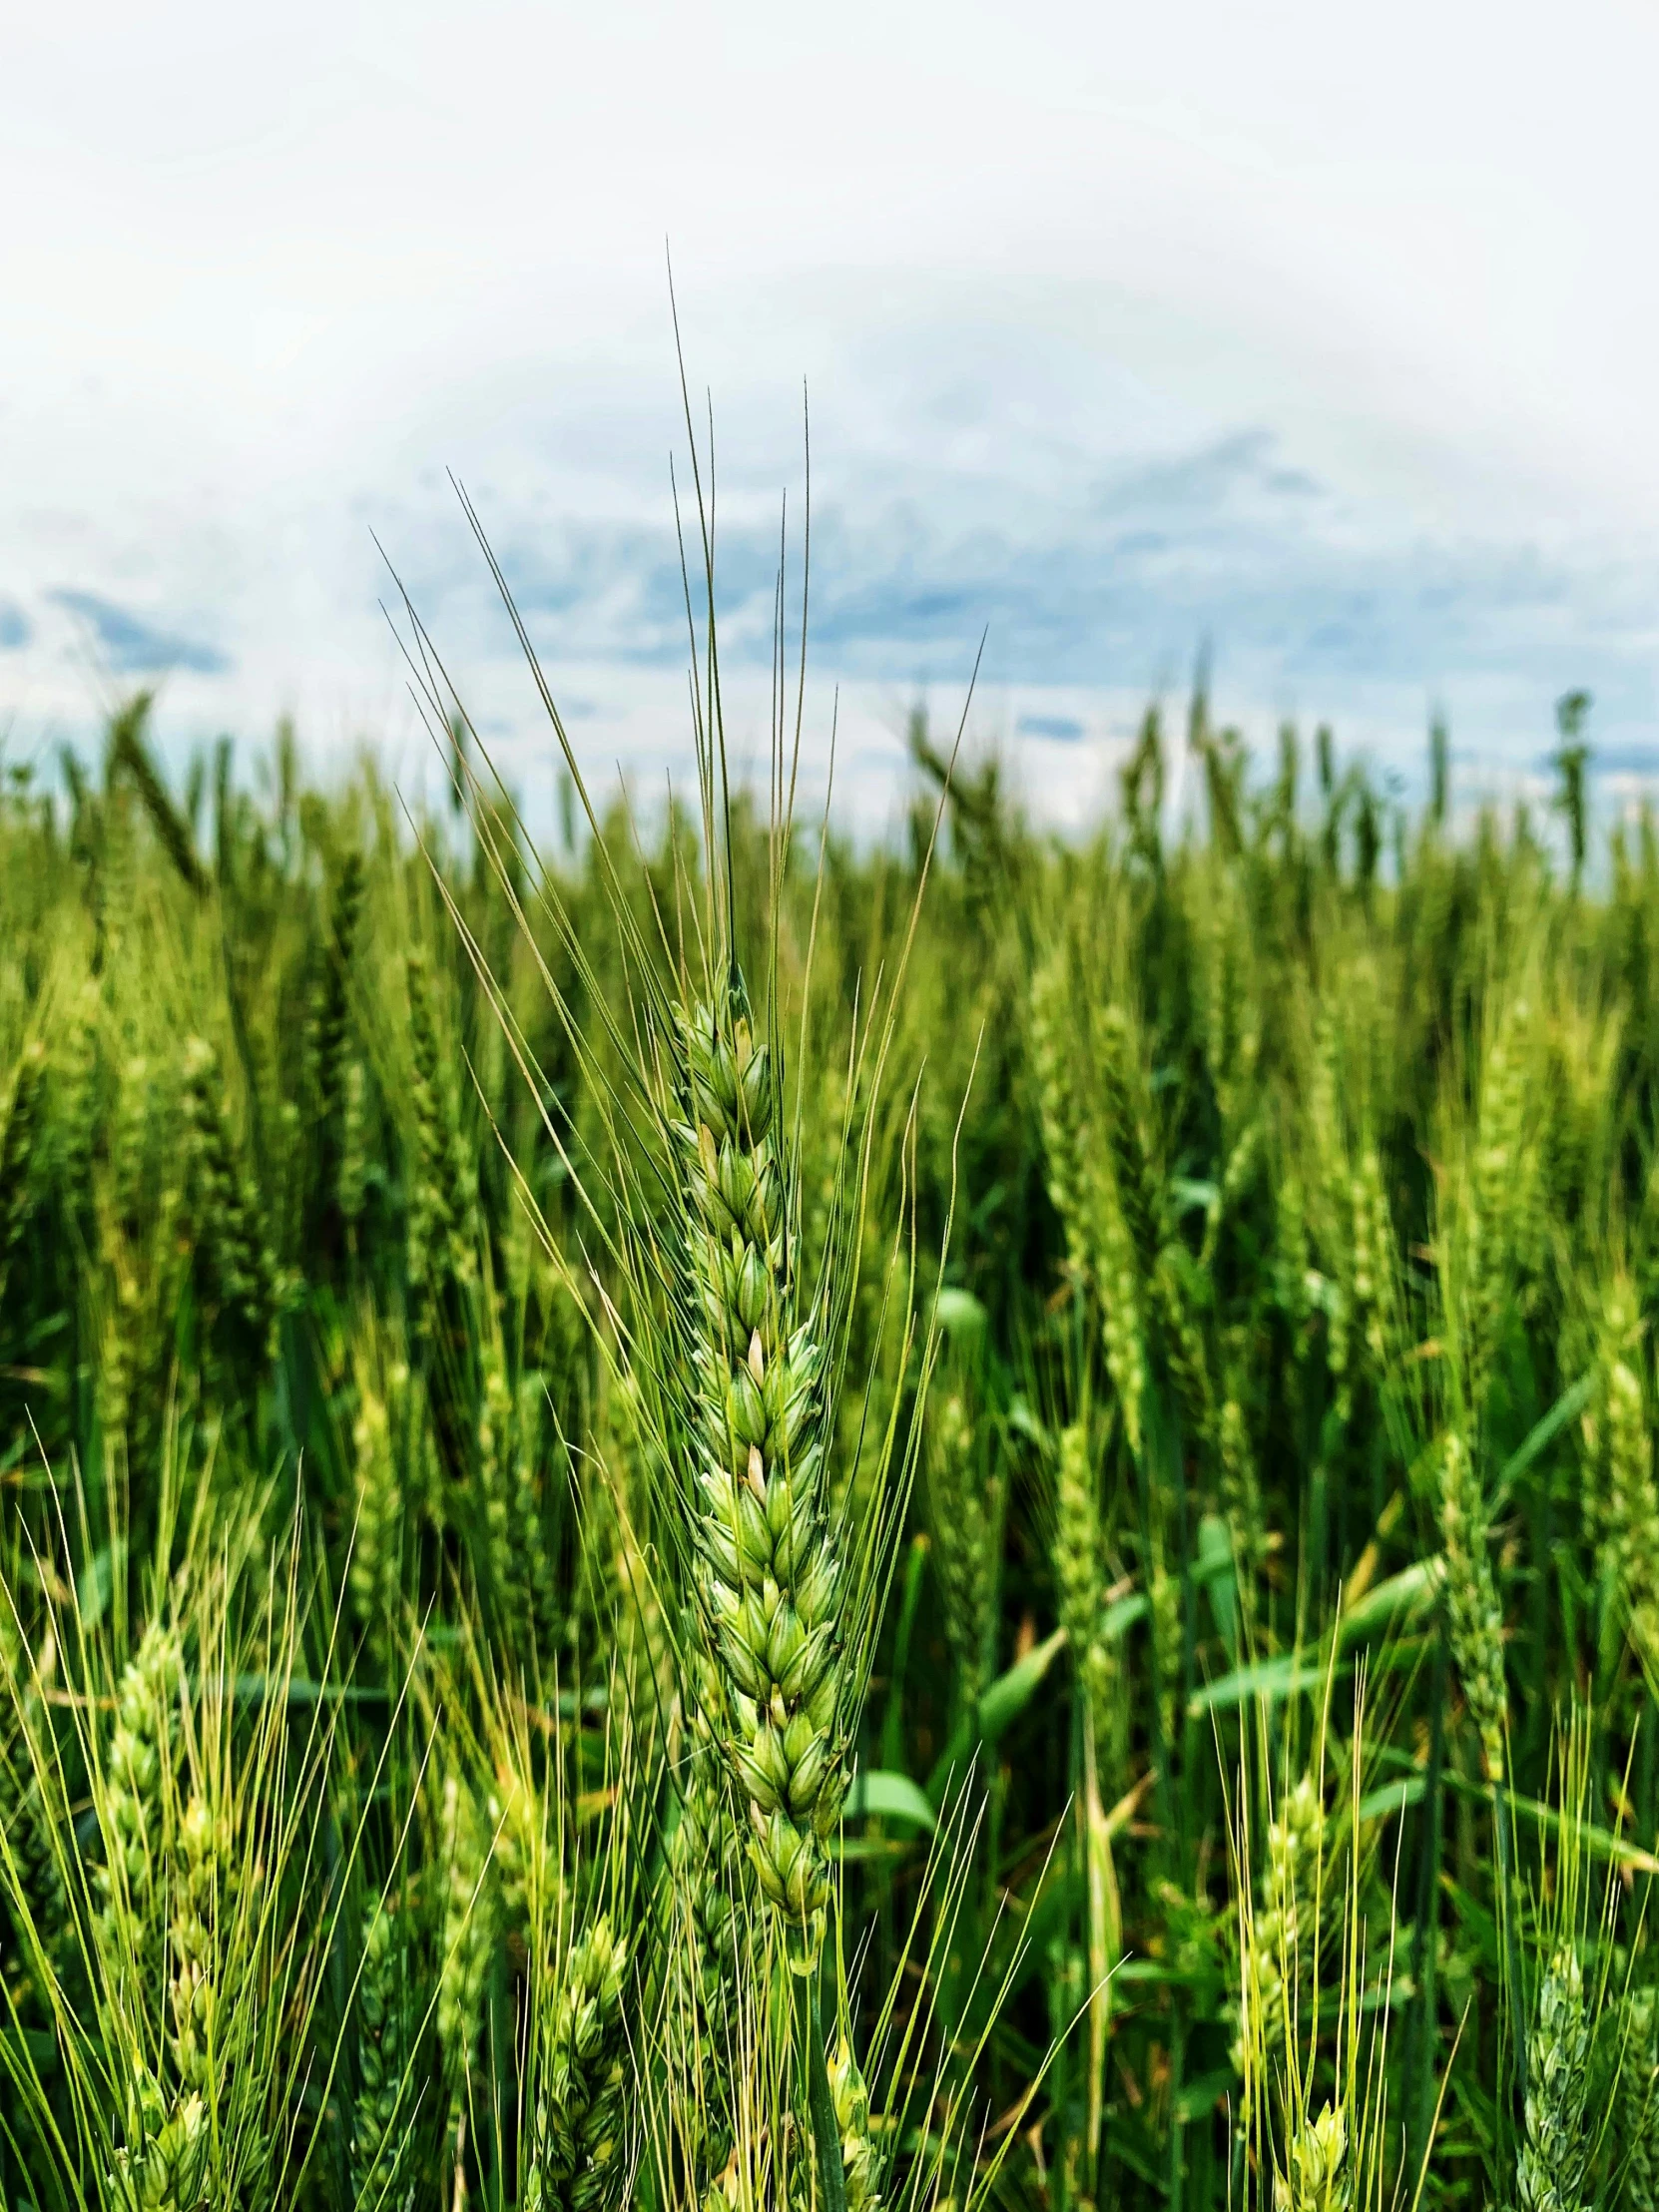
x=202 y=1900
x=1324 y=1082
x=1168 y=1602
x=1552 y=2169
x=162 y=2164
x=1127 y=1133
x=76 y=1079
x=328 y=1015
x=1502 y=1176
x=130 y=1143
x=353 y=1142
x=129 y=756
x=375 y=1577
x=115 y=881
x=1082 y=1183
x=1184 y=1345
x=40 y=1901
x=1228 y=997
x=331 y=1162
x=699 y=1912
x=1056 y=1101
x=1632 y=1510
x=1078 y=1574
x=860 y=2167
x=617 y=1603
x=494 y=1474
x=133 y=1795
x=1623 y=1499
x=200 y=1994
x=1291 y=1252
x=525 y=1866
x=1281 y=1965
x=1636 y=2101
x=239 y=1271
x=1241 y=1489
x=769 y=1574
x=1574 y=1074
x=380 y=2110
x=1316 y=2176
x=1142 y=789
x=17 y=1151
x=578 y=2160
x=1372 y=1272
x=1239 y=1172
x=144 y=1258
x=1474 y=1617
x=535 y=1569
x=442 y=1198
x=1338 y=1351
x=512 y=1559
x=468 y=1931
x=1162 y=1265
x=965 y=1522
x=1117 y=1281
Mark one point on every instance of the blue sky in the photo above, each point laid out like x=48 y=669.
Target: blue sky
x=1310 y=339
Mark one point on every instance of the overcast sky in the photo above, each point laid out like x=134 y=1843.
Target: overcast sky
x=1320 y=335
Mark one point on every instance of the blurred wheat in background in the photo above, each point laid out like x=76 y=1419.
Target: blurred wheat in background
x=718 y=1520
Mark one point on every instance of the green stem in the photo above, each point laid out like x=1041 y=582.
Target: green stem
x=827 y=2136
x=1425 y=1960
x=1508 y=1908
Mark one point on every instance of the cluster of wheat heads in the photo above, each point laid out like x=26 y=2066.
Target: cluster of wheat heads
x=639 y=1568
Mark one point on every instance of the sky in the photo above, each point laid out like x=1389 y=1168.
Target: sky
x=1313 y=340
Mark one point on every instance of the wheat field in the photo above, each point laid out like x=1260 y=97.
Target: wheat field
x=715 y=1519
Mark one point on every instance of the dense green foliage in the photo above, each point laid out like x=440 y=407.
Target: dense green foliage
x=1025 y=1538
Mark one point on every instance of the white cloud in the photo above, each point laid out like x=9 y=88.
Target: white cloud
x=1323 y=337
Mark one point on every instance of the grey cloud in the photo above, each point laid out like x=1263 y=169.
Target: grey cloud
x=1620 y=760
x=15 y=627
x=1116 y=578
x=1216 y=476
x=135 y=647
x=1095 y=601
x=1066 y=728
